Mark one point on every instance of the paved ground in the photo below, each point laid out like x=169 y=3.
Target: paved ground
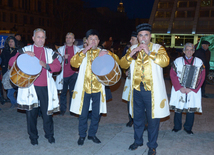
x=113 y=133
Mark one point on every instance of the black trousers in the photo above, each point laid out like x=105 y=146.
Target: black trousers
x=95 y=117
x=67 y=82
x=203 y=88
x=142 y=103
x=188 y=123
x=129 y=116
x=32 y=115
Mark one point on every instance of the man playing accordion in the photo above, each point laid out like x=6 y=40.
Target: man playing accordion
x=186 y=97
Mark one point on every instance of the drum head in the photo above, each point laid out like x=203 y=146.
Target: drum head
x=28 y=64
x=102 y=65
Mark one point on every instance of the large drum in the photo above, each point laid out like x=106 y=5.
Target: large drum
x=106 y=70
x=25 y=70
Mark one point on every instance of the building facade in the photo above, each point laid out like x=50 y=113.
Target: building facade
x=176 y=22
x=23 y=16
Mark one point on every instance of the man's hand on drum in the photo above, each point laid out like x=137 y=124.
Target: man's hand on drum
x=30 y=53
x=103 y=52
x=42 y=63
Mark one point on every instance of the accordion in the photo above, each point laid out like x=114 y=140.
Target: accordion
x=190 y=76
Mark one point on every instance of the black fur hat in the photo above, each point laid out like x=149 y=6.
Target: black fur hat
x=205 y=42
x=144 y=27
x=134 y=34
x=91 y=32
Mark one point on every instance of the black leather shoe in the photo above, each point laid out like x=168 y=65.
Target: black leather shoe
x=134 y=146
x=152 y=151
x=94 y=139
x=175 y=130
x=50 y=139
x=13 y=106
x=62 y=113
x=81 y=140
x=129 y=124
x=34 y=141
x=188 y=131
x=2 y=101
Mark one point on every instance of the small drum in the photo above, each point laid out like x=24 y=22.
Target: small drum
x=106 y=70
x=25 y=70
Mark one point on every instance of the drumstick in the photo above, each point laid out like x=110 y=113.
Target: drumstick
x=66 y=60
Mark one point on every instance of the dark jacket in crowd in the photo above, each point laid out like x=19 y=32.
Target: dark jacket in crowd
x=7 y=53
x=20 y=44
x=205 y=57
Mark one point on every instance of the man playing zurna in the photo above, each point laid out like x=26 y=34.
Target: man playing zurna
x=148 y=92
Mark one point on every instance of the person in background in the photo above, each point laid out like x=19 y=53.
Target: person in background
x=84 y=42
x=9 y=50
x=19 y=40
x=2 y=100
x=68 y=76
x=133 y=41
x=109 y=44
x=204 y=54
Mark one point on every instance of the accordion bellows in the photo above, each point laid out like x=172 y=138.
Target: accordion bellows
x=190 y=76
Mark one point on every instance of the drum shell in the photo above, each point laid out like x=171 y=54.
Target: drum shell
x=112 y=77
x=20 y=79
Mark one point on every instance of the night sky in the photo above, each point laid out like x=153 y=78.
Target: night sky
x=133 y=8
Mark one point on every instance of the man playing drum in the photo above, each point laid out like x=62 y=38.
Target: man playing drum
x=68 y=75
x=185 y=99
x=88 y=91
x=147 y=86
x=42 y=94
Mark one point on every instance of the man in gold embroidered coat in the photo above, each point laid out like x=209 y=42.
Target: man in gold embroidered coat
x=88 y=91
x=147 y=86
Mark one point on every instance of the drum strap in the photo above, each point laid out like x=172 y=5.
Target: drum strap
x=188 y=61
x=54 y=55
x=20 y=51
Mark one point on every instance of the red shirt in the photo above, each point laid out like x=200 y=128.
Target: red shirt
x=68 y=71
x=42 y=79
